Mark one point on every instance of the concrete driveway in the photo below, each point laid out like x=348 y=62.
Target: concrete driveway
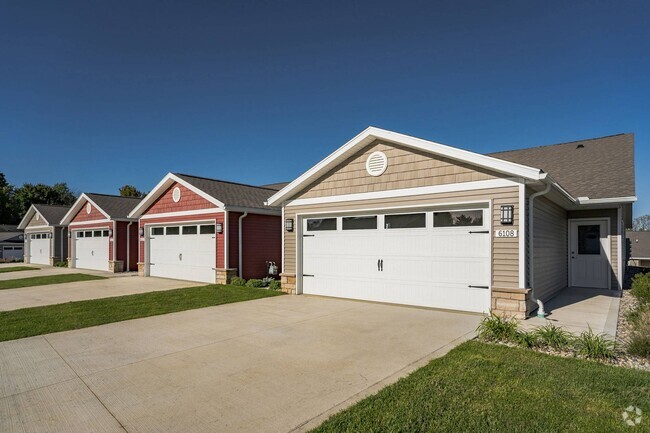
x=115 y=285
x=271 y=365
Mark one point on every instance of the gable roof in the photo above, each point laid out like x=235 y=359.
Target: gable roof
x=113 y=207
x=595 y=168
x=223 y=194
x=51 y=214
x=639 y=244
x=276 y=186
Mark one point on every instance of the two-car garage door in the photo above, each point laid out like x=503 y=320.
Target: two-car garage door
x=438 y=258
x=184 y=252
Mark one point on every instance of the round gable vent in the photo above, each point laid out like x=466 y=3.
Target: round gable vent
x=88 y=208
x=38 y=217
x=176 y=194
x=376 y=164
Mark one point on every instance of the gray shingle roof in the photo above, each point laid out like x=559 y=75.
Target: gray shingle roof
x=276 y=186
x=53 y=214
x=114 y=205
x=639 y=243
x=595 y=168
x=231 y=193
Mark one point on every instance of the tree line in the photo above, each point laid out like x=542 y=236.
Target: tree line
x=16 y=200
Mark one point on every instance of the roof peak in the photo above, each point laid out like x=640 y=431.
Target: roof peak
x=563 y=143
x=223 y=181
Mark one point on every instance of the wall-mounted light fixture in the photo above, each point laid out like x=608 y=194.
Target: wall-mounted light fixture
x=219 y=228
x=69 y=235
x=141 y=231
x=288 y=224
x=507 y=214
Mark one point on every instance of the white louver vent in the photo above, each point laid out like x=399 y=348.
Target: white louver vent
x=377 y=163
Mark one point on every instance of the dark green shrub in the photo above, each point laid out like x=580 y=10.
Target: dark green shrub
x=641 y=288
x=238 y=281
x=253 y=282
x=594 y=346
x=497 y=328
x=63 y=264
x=267 y=281
x=553 y=336
x=275 y=285
x=526 y=339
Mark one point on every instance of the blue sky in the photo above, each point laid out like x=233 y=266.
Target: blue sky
x=99 y=94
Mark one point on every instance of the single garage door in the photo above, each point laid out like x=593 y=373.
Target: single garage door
x=92 y=249
x=183 y=252
x=437 y=258
x=39 y=248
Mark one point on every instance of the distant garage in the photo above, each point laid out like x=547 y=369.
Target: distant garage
x=208 y=230
x=45 y=236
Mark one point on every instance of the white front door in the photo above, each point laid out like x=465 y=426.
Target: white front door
x=91 y=249
x=39 y=248
x=589 y=254
x=429 y=258
x=184 y=252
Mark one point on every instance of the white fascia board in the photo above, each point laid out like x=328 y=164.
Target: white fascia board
x=406 y=192
x=610 y=200
x=161 y=187
x=76 y=207
x=85 y=223
x=371 y=133
x=254 y=210
x=181 y=213
x=28 y=216
x=639 y=258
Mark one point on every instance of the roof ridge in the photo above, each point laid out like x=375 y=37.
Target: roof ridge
x=111 y=195
x=560 y=144
x=52 y=205
x=224 y=181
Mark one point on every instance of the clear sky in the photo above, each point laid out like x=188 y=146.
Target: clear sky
x=99 y=94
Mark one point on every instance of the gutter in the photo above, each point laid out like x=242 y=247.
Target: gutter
x=241 y=266
x=531 y=240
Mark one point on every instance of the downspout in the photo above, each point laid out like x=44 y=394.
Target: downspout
x=226 y=236
x=127 y=268
x=531 y=271
x=241 y=266
x=62 y=240
x=114 y=242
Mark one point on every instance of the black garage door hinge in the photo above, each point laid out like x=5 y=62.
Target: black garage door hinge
x=308 y=236
x=478 y=287
x=307 y=275
x=480 y=231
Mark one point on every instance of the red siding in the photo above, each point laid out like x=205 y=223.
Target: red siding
x=189 y=201
x=94 y=214
x=233 y=240
x=218 y=216
x=262 y=239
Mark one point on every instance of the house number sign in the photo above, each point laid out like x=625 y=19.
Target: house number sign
x=510 y=233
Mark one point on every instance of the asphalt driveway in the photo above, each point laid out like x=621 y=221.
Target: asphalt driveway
x=271 y=365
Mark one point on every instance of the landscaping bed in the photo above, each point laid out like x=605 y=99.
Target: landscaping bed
x=28 y=322
x=493 y=388
x=47 y=280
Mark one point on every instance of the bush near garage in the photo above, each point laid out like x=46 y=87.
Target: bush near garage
x=639 y=318
x=255 y=283
x=238 y=281
x=275 y=285
x=63 y=264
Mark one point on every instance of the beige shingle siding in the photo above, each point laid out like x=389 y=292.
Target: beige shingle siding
x=550 y=237
x=612 y=214
x=505 y=266
x=36 y=222
x=406 y=169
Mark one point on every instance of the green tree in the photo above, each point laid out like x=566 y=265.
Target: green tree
x=641 y=223
x=130 y=191
x=29 y=194
x=7 y=210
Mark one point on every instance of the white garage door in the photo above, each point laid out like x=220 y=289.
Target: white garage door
x=183 y=252
x=39 y=248
x=91 y=249
x=430 y=258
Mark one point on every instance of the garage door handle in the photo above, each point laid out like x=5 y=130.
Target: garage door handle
x=308 y=236
x=180 y=256
x=480 y=231
x=478 y=287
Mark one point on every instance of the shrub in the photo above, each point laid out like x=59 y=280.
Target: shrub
x=253 y=282
x=526 y=339
x=497 y=328
x=639 y=343
x=594 y=346
x=275 y=285
x=641 y=288
x=237 y=281
x=63 y=264
x=553 y=336
x=267 y=281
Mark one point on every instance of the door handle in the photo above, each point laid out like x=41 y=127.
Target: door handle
x=92 y=253
x=381 y=263
x=180 y=256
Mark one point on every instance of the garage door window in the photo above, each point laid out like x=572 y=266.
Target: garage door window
x=321 y=224
x=189 y=230
x=405 y=221
x=157 y=231
x=97 y=233
x=207 y=230
x=458 y=218
x=88 y=234
x=360 y=223
x=172 y=230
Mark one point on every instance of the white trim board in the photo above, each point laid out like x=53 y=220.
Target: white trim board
x=77 y=206
x=181 y=213
x=83 y=223
x=407 y=192
x=371 y=133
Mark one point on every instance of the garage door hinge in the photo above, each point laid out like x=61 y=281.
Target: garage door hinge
x=481 y=231
x=307 y=275
x=308 y=236
x=151 y=264
x=478 y=287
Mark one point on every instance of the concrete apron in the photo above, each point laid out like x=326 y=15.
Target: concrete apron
x=274 y=365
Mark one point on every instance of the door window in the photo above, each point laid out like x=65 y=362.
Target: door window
x=405 y=221
x=319 y=224
x=589 y=239
x=458 y=218
x=360 y=223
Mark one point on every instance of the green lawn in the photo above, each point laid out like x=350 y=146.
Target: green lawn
x=46 y=280
x=488 y=388
x=82 y=314
x=18 y=268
